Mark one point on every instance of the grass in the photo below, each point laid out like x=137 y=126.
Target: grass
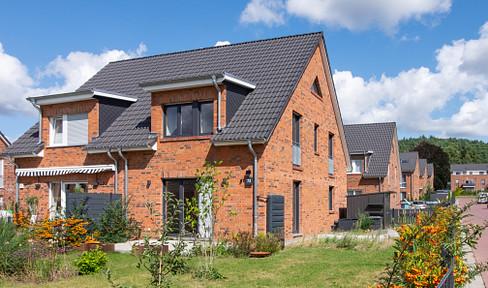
x=310 y=264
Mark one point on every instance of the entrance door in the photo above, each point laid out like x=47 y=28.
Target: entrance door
x=182 y=191
x=57 y=200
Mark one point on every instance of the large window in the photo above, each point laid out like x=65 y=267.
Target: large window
x=180 y=191
x=404 y=181
x=57 y=195
x=68 y=130
x=357 y=166
x=1 y=173
x=297 y=151
x=296 y=207
x=189 y=119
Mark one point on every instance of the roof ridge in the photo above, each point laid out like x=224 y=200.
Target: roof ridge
x=217 y=47
x=372 y=123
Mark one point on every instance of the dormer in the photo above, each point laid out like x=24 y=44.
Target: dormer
x=195 y=106
x=72 y=119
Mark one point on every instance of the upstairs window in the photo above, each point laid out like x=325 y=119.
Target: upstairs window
x=296 y=148
x=69 y=130
x=316 y=138
x=357 y=166
x=403 y=184
x=331 y=153
x=189 y=119
x=1 y=175
x=316 y=87
x=404 y=160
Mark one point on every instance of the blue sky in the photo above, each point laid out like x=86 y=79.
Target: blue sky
x=423 y=64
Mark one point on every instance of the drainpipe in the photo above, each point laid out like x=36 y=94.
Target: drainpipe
x=9 y=158
x=38 y=108
x=219 y=104
x=379 y=181
x=125 y=179
x=116 y=170
x=255 y=186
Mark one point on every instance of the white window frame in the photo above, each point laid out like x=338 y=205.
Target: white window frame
x=1 y=173
x=52 y=204
x=64 y=119
x=403 y=184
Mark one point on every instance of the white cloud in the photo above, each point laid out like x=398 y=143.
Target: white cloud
x=71 y=71
x=412 y=96
x=349 y=14
x=270 y=12
x=222 y=43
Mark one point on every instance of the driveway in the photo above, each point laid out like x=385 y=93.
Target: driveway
x=480 y=214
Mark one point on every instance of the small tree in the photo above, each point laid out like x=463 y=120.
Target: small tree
x=213 y=195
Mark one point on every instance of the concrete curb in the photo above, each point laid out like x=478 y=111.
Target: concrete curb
x=470 y=261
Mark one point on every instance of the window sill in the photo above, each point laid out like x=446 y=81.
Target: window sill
x=317 y=95
x=298 y=168
x=297 y=235
x=186 y=138
x=332 y=212
x=317 y=154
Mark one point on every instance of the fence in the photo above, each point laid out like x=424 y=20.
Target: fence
x=407 y=216
x=94 y=203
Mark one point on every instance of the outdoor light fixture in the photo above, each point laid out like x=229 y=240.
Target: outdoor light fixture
x=148 y=183
x=38 y=186
x=248 y=180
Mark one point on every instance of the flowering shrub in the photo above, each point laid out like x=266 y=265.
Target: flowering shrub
x=70 y=231
x=424 y=249
x=21 y=219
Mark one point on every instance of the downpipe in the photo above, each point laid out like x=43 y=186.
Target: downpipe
x=116 y=171
x=9 y=158
x=255 y=189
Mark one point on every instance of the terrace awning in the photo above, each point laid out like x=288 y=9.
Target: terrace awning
x=56 y=171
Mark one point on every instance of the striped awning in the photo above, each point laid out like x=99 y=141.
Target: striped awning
x=55 y=171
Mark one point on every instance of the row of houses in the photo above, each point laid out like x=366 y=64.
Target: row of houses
x=469 y=177
x=267 y=109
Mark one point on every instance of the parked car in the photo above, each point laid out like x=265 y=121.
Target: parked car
x=419 y=204
x=482 y=198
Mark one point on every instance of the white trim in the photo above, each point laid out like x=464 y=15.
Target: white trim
x=40 y=154
x=192 y=83
x=77 y=96
x=56 y=171
x=146 y=148
x=113 y=96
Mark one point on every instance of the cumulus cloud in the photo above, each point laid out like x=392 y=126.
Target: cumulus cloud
x=71 y=71
x=349 y=14
x=222 y=43
x=270 y=12
x=411 y=97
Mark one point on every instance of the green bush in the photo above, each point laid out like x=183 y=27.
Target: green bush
x=268 y=243
x=365 y=222
x=113 y=226
x=13 y=246
x=242 y=243
x=91 y=262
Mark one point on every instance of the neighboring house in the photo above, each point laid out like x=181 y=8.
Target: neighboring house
x=410 y=184
x=470 y=177
x=143 y=126
x=430 y=175
x=375 y=160
x=7 y=178
x=422 y=175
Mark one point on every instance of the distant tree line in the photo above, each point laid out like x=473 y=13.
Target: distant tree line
x=460 y=151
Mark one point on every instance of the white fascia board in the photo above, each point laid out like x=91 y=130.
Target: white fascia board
x=198 y=82
x=113 y=96
x=151 y=148
x=40 y=154
x=62 y=98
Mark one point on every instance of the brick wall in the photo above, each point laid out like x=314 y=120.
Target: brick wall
x=463 y=178
x=7 y=192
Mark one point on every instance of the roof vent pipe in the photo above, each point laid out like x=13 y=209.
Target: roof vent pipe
x=126 y=201
x=9 y=158
x=255 y=186
x=38 y=108
x=116 y=170
x=219 y=104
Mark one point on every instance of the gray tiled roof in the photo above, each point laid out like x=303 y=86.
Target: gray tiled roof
x=412 y=158
x=274 y=65
x=376 y=137
x=28 y=143
x=430 y=169
x=463 y=167
x=422 y=166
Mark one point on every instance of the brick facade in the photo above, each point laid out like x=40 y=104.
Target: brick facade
x=477 y=181
x=7 y=191
x=413 y=184
x=178 y=158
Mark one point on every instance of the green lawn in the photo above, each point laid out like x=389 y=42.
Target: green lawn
x=306 y=265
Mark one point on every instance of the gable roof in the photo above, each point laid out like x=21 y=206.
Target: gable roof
x=4 y=139
x=27 y=144
x=274 y=65
x=422 y=166
x=464 y=167
x=375 y=137
x=411 y=158
x=430 y=169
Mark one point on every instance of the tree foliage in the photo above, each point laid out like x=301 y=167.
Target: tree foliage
x=435 y=155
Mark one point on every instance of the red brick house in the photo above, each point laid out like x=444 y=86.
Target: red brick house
x=470 y=177
x=417 y=175
x=375 y=160
x=7 y=178
x=141 y=128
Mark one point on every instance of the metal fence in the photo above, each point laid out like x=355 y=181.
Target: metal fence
x=408 y=216
x=448 y=279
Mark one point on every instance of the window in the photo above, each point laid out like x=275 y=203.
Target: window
x=482 y=173
x=354 y=192
x=316 y=87
x=458 y=173
x=297 y=151
x=457 y=183
x=331 y=153
x=1 y=173
x=482 y=184
x=296 y=207
x=316 y=138
x=68 y=130
x=183 y=191
x=404 y=181
x=190 y=119
x=357 y=166
x=403 y=195
x=403 y=160
x=331 y=196
x=57 y=195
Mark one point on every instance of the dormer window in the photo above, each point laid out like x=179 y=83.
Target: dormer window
x=69 y=130
x=189 y=119
x=316 y=87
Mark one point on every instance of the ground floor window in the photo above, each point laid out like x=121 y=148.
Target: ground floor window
x=354 y=192
x=57 y=195
x=331 y=196
x=296 y=207
x=403 y=195
x=183 y=191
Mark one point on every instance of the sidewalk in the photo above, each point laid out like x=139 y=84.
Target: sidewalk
x=470 y=261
